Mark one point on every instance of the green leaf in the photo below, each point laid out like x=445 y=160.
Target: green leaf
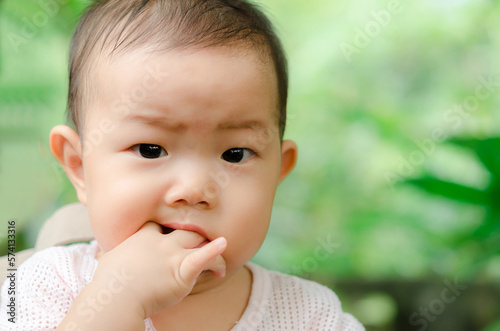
x=487 y=150
x=495 y=326
x=451 y=190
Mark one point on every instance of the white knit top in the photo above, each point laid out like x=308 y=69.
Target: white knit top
x=49 y=281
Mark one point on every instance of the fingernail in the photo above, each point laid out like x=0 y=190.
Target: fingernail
x=220 y=242
x=222 y=272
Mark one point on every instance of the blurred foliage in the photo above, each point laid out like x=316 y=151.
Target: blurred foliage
x=487 y=233
x=379 y=174
x=494 y=327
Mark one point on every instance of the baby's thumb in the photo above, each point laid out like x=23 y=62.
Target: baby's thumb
x=218 y=266
x=150 y=226
x=204 y=258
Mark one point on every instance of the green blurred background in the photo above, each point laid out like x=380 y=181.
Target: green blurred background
x=394 y=107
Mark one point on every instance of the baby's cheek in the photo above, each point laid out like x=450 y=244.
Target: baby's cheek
x=245 y=240
x=238 y=255
x=111 y=229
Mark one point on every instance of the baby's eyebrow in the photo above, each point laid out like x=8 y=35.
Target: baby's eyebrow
x=170 y=125
x=252 y=125
x=161 y=122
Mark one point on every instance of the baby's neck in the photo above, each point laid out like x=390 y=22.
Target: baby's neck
x=217 y=309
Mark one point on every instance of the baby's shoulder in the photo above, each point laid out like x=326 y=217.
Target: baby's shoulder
x=310 y=292
x=72 y=264
x=312 y=305
x=46 y=284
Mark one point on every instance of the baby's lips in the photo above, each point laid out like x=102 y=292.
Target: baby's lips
x=203 y=243
x=220 y=242
x=166 y=230
x=170 y=227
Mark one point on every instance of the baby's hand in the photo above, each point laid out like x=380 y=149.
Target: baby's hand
x=158 y=270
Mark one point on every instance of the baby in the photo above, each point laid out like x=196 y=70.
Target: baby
x=179 y=110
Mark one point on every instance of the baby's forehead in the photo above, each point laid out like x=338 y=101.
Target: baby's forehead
x=192 y=75
x=259 y=54
x=147 y=68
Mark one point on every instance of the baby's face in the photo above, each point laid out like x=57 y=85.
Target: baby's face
x=188 y=140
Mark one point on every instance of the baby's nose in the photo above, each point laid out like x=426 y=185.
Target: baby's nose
x=188 y=196
x=192 y=187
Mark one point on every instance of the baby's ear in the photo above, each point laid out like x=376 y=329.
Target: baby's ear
x=289 y=152
x=66 y=147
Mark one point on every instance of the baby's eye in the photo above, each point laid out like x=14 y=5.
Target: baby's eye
x=149 y=151
x=235 y=155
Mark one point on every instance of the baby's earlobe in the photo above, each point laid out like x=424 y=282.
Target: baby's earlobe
x=289 y=154
x=65 y=146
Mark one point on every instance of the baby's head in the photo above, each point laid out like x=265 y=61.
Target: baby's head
x=180 y=109
x=114 y=27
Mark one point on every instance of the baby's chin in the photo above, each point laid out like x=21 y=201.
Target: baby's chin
x=206 y=281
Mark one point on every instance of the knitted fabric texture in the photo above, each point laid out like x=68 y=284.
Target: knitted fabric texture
x=50 y=280
x=284 y=302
